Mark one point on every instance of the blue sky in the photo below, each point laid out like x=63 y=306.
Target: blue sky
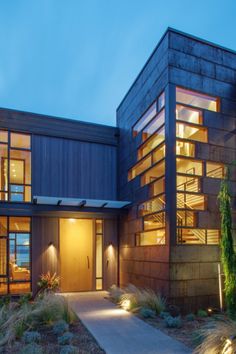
x=77 y=59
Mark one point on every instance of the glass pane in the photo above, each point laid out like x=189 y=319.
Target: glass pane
x=161 y=101
x=3 y=226
x=185 y=218
x=20 y=223
x=98 y=284
x=190 y=201
x=153 y=173
x=20 y=287
x=152 y=205
x=27 y=194
x=153 y=142
x=188 y=184
x=98 y=256
x=196 y=99
x=185 y=131
x=188 y=114
x=190 y=167
x=140 y=167
x=155 y=124
x=185 y=148
x=157 y=187
x=3 y=256
x=4 y=170
x=213 y=237
x=159 y=153
x=191 y=236
x=23 y=256
x=215 y=170
x=154 y=221
x=20 y=167
x=3 y=286
x=99 y=226
x=20 y=140
x=3 y=136
x=148 y=238
x=145 y=119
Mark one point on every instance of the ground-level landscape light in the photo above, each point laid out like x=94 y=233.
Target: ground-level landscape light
x=125 y=304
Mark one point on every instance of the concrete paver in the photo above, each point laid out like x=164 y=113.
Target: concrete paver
x=118 y=331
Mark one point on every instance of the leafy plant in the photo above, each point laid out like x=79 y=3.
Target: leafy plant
x=173 y=322
x=32 y=348
x=164 y=314
x=190 y=317
x=66 y=338
x=147 y=313
x=48 y=282
x=31 y=337
x=60 y=327
x=202 y=313
x=228 y=257
x=69 y=349
x=219 y=337
x=24 y=299
x=115 y=293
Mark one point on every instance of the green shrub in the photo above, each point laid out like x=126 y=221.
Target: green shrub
x=173 y=310
x=5 y=300
x=24 y=299
x=31 y=337
x=164 y=314
x=147 y=313
x=173 y=322
x=48 y=282
x=69 y=349
x=202 y=313
x=190 y=317
x=66 y=338
x=32 y=349
x=60 y=327
x=19 y=328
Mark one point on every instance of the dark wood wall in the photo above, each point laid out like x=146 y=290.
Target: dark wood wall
x=71 y=168
x=181 y=60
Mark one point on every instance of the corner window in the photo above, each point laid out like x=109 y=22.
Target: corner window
x=197 y=99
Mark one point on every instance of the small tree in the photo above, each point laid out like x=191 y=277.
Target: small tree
x=228 y=257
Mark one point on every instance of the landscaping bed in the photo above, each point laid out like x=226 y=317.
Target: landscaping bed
x=44 y=326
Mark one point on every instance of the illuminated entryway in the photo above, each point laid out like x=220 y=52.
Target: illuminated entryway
x=81 y=248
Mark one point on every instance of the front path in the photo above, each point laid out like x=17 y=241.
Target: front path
x=119 y=332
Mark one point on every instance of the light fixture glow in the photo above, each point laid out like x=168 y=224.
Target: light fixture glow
x=125 y=304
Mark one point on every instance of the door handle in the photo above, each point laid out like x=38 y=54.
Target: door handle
x=88 y=262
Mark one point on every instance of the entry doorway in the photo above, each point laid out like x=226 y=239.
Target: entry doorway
x=80 y=254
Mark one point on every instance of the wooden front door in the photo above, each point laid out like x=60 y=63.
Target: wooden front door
x=76 y=254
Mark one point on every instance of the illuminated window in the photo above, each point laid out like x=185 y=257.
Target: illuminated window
x=3 y=136
x=154 y=221
x=198 y=236
x=15 y=176
x=140 y=167
x=161 y=101
x=187 y=131
x=188 y=184
x=157 y=187
x=190 y=167
x=191 y=201
x=186 y=218
x=149 y=238
x=188 y=114
x=156 y=139
x=196 y=99
x=15 y=264
x=145 y=119
x=215 y=170
x=155 y=124
x=99 y=254
x=21 y=141
x=185 y=148
x=152 y=206
x=153 y=173
x=158 y=154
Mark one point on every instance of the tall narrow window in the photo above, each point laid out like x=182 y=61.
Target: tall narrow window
x=99 y=253
x=197 y=99
x=15 y=164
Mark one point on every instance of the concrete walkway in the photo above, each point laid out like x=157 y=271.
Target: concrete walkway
x=119 y=332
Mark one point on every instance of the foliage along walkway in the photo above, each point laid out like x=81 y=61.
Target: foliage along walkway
x=118 y=331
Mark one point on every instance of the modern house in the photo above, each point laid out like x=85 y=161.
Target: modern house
x=136 y=203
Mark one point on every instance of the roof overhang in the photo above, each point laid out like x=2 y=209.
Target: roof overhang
x=80 y=202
